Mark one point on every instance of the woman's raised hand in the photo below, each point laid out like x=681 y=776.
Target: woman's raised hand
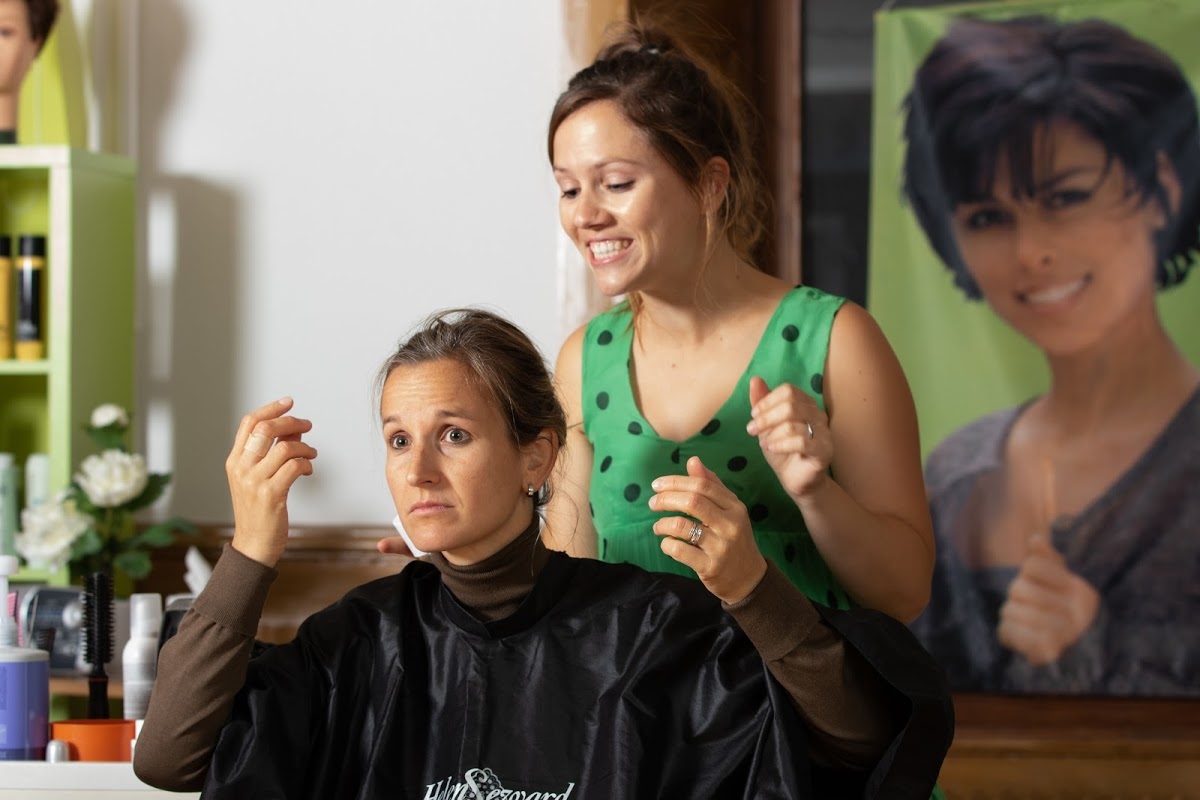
x=267 y=458
x=794 y=435
x=1048 y=607
x=717 y=541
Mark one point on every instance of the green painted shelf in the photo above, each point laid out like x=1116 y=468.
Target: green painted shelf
x=85 y=204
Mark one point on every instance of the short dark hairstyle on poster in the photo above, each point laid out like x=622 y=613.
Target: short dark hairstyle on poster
x=987 y=87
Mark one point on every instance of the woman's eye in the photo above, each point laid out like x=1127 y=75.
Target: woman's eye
x=570 y=194
x=620 y=187
x=984 y=218
x=1066 y=198
x=399 y=441
x=456 y=436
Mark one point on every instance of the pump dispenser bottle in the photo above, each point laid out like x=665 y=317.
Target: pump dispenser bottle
x=24 y=685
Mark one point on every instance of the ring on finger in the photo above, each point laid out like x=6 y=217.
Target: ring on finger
x=695 y=534
x=258 y=444
x=810 y=429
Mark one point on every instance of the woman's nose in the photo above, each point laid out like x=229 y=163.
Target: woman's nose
x=589 y=213
x=422 y=464
x=1035 y=244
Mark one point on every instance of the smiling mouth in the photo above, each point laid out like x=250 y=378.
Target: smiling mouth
x=608 y=248
x=1055 y=294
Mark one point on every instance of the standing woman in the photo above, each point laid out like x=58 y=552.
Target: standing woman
x=792 y=396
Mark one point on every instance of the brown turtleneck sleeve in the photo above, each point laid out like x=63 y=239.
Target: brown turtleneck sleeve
x=200 y=670
x=841 y=697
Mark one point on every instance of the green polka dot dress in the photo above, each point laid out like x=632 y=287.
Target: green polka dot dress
x=628 y=454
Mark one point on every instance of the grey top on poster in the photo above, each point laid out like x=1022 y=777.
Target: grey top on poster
x=1138 y=544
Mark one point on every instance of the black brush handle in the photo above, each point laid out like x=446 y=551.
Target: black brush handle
x=97 y=639
x=98 y=695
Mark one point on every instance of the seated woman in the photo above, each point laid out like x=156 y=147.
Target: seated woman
x=500 y=669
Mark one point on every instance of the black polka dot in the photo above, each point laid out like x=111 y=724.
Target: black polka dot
x=635 y=428
x=675 y=455
x=789 y=553
x=633 y=492
x=791 y=333
x=604 y=549
x=758 y=512
x=604 y=338
x=817 y=382
x=606 y=463
x=831 y=599
x=737 y=463
x=711 y=427
x=591 y=511
x=602 y=400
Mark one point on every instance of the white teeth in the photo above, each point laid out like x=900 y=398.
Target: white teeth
x=1055 y=293
x=607 y=248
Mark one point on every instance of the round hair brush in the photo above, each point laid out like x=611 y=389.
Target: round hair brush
x=97 y=639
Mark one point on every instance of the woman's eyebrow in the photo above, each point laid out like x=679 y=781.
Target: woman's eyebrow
x=1068 y=173
x=441 y=414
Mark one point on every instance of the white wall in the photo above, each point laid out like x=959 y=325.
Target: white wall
x=315 y=178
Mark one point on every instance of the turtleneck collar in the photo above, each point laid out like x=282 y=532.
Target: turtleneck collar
x=494 y=588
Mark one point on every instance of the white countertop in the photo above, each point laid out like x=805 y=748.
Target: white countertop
x=77 y=780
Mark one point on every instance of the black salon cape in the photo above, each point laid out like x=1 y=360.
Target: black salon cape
x=608 y=682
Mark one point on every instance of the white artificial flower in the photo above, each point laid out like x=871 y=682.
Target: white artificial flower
x=108 y=414
x=112 y=478
x=48 y=531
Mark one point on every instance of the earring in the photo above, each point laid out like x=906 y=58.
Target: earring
x=531 y=491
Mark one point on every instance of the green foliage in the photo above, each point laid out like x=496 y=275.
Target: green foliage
x=110 y=437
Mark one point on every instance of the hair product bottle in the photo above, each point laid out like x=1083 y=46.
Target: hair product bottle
x=139 y=659
x=9 y=516
x=37 y=479
x=31 y=297
x=6 y=299
x=24 y=686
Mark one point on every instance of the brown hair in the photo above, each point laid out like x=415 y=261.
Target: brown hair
x=689 y=111
x=501 y=357
x=42 y=14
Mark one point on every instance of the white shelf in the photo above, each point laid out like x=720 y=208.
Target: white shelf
x=37 y=780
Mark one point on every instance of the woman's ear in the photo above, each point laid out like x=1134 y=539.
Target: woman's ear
x=713 y=184
x=540 y=455
x=1168 y=180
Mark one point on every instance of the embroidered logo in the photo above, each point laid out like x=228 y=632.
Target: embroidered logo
x=482 y=784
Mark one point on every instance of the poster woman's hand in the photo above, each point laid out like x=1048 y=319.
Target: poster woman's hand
x=268 y=456
x=715 y=538
x=1048 y=607
x=794 y=435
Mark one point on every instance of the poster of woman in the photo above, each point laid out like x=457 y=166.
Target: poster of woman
x=1035 y=218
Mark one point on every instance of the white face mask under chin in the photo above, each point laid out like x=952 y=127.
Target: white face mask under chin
x=417 y=553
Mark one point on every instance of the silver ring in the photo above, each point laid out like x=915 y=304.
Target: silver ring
x=697 y=532
x=810 y=430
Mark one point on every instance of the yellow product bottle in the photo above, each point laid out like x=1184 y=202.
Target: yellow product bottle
x=31 y=298
x=6 y=298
